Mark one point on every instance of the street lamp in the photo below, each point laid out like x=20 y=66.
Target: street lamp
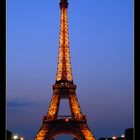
x=123 y=137
x=21 y=138
x=114 y=138
x=15 y=137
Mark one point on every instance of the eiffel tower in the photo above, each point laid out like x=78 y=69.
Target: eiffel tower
x=64 y=88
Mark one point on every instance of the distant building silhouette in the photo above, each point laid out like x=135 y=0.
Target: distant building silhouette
x=9 y=135
x=128 y=135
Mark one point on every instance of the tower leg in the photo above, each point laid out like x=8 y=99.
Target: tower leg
x=42 y=132
x=51 y=129
x=54 y=106
x=75 y=107
x=86 y=132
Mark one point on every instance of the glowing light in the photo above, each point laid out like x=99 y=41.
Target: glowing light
x=66 y=119
x=114 y=138
x=21 y=138
x=122 y=136
x=15 y=137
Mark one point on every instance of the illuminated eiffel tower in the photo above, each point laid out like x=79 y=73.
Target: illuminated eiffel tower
x=64 y=88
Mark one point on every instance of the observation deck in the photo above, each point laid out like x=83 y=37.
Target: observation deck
x=64 y=119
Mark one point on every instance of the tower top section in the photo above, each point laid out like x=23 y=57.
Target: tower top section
x=63 y=3
x=64 y=70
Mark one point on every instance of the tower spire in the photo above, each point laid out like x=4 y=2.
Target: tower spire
x=64 y=70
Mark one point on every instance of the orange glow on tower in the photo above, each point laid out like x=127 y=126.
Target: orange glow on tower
x=64 y=71
x=64 y=88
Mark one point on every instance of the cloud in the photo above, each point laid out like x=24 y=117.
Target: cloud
x=18 y=103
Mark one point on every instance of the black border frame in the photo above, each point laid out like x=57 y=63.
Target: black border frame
x=3 y=70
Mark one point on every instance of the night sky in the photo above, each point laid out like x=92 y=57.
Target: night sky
x=101 y=47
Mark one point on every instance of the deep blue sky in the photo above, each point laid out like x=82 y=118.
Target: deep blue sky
x=101 y=43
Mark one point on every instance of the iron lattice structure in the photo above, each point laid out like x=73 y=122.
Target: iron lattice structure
x=64 y=88
x=64 y=71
